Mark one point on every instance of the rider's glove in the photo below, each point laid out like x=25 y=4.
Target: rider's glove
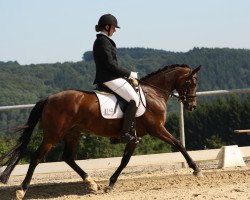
x=133 y=75
x=135 y=82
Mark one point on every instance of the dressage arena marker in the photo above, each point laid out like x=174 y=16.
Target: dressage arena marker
x=230 y=156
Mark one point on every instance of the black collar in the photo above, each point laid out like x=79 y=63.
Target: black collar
x=104 y=36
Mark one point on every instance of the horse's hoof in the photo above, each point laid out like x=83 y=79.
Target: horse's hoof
x=108 y=189
x=92 y=185
x=19 y=194
x=198 y=174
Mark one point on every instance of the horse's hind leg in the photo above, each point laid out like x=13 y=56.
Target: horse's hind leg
x=164 y=135
x=70 y=141
x=43 y=149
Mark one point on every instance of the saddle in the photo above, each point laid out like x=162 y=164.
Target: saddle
x=120 y=101
x=112 y=106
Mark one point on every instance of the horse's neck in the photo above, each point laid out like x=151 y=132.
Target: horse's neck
x=157 y=90
x=163 y=83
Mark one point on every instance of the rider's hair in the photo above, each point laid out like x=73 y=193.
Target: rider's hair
x=98 y=28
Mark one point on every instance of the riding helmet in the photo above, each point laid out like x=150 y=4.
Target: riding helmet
x=108 y=19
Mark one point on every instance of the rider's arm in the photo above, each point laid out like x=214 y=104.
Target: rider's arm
x=105 y=49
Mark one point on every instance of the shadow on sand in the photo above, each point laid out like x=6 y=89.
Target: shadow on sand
x=49 y=190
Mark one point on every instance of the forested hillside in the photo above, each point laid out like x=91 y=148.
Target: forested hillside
x=25 y=84
x=222 y=69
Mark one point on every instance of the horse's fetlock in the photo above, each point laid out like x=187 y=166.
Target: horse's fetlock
x=108 y=189
x=198 y=173
x=112 y=179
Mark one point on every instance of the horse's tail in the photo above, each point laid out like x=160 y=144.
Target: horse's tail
x=16 y=153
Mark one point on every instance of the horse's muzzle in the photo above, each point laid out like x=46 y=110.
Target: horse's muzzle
x=190 y=106
x=193 y=107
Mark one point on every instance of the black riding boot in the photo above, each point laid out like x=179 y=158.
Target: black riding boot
x=128 y=120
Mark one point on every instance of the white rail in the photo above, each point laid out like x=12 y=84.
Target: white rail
x=247 y=131
x=223 y=92
x=242 y=131
x=181 y=117
x=207 y=93
x=8 y=108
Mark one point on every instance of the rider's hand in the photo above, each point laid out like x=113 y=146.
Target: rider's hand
x=133 y=75
x=134 y=82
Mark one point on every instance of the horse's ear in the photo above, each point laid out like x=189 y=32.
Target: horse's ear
x=195 y=71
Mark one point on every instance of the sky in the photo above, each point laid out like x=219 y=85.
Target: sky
x=50 y=31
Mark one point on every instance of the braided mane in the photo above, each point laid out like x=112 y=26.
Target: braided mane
x=168 y=67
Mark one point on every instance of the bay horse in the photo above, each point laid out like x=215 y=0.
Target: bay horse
x=65 y=115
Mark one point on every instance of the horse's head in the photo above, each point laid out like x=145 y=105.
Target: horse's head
x=186 y=87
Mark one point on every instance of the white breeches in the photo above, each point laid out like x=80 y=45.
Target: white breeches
x=121 y=87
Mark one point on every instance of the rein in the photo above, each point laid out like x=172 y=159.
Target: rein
x=153 y=86
x=158 y=88
x=163 y=91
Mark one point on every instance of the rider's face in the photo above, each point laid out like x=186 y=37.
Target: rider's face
x=112 y=30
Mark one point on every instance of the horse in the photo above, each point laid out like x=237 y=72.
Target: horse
x=65 y=115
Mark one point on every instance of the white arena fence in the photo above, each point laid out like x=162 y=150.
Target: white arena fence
x=141 y=160
x=181 y=115
x=206 y=93
x=162 y=160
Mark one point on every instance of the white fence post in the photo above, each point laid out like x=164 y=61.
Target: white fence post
x=182 y=131
x=206 y=93
x=181 y=125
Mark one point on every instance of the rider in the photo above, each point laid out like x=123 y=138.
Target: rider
x=113 y=76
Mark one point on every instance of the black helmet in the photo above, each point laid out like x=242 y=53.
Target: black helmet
x=108 y=19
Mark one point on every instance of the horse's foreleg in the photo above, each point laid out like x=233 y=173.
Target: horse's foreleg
x=128 y=152
x=36 y=158
x=164 y=135
x=197 y=172
x=68 y=156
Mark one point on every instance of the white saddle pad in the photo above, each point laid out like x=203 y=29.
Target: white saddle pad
x=110 y=109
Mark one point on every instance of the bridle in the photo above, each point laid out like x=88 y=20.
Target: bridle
x=184 y=97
